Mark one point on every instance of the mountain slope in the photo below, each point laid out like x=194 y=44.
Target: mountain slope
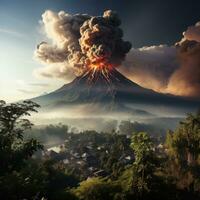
x=108 y=88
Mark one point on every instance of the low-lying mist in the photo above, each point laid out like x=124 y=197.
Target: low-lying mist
x=52 y=125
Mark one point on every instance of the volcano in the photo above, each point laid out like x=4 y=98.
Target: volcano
x=109 y=88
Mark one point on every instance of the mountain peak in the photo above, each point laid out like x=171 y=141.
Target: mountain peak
x=104 y=79
x=107 y=87
x=103 y=85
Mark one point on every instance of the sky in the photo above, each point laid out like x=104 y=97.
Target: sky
x=144 y=23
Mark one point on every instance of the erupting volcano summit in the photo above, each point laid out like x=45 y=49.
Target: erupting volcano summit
x=83 y=42
x=91 y=47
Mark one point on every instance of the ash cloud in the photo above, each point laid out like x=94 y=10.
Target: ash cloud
x=50 y=54
x=101 y=40
x=186 y=79
x=79 y=41
x=76 y=41
x=168 y=69
x=56 y=71
x=192 y=33
x=151 y=67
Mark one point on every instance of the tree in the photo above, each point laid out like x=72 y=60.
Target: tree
x=144 y=164
x=183 y=148
x=184 y=143
x=14 y=150
x=118 y=147
x=22 y=177
x=138 y=179
x=97 y=189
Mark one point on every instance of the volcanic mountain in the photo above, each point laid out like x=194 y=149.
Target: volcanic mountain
x=109 y=88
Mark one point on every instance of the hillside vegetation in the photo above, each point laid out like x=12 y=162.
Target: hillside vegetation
x=95 y=166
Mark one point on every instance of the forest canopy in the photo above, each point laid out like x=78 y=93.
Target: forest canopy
x=95 y=166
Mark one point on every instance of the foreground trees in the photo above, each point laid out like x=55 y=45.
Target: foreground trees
x=14 y=151
x=165 y=171
x=98 y=189
x=169 y=171
x=183 y=150
x=184 y=143
x=22 y=177
x=145 y=161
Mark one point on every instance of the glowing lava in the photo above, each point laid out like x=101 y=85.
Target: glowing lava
x=100 y=69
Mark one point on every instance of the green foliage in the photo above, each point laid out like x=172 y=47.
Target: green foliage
x=104 y=151
x=184 y=143
x=37 y=180
x=97 y=189
x=128 y=127
x=183 y=148
x=143 y=148
x=140 y=175
x=171 y=172
x=14 y=150
x=21 y=177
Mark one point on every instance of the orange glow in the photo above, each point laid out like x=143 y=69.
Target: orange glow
x=101 y=67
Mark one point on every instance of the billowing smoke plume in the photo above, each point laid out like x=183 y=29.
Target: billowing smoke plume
x=186 y=79
x=151 y=67
x=192 y=33
x=78 y=41
x=81 y=40
x=168 y=69
x=101 y=40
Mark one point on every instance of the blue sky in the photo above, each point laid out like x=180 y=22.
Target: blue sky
x=144 y=22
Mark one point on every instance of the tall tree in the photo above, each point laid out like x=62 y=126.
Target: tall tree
x=144 y=164
x=13 y=149
x=183 y=148
x=184 y=143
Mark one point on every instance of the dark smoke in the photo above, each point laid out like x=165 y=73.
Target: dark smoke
x=81 y=40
